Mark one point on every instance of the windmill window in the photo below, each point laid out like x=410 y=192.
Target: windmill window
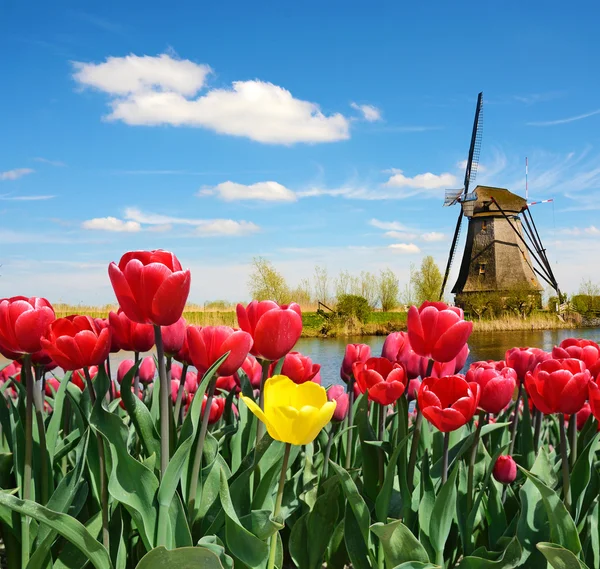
x=482 y=268
x=483 y=225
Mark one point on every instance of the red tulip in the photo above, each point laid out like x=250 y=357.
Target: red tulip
x=585 y=350
x=505 y=469
x=384 y=381
x=173 y=337
x=228 y=383
x=413 y=389
x=448 y=402
x=523 y=360
x=253 y=370
x=217 y=407
x=396 y=348
x=75 y=342
x=51 y=386
x=147 y=370
x=131 y=336
x=123 y=369
x=175 y=390
x=102 y=323
x=117 y=393
x=497 y=387
x=13 y=369
x=42 y=360
x=354 y=353
x=594 y=394
x=151 y=286
x=558 y=386
x=338 y=394
x=275 y=329
x=206 y=345
x=299 y=368
x=23 y=321
x=437 y=331
x=191 y=382
x=582 y=415
x=78 y=377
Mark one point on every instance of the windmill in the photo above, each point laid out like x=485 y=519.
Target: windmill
x=503 y=249
x=462 y=195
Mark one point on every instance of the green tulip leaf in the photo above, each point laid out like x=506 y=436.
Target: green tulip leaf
x=581 y=475
x=183 y=558
x=417 y=565
x=399 y=544
x=443 y=514
x=559 y=557
x=562 y=526
x=320 y=526
x=72 y=558
x=67 y=526
x=358 y=551
x=55 y=423
x=382 y=504
x=370 y=454
x=482 y=559
x=297 y=544
x=140 y=415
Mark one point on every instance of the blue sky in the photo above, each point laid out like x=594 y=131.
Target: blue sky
x=315 y=133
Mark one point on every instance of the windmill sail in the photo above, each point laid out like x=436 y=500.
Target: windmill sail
x=470 y=175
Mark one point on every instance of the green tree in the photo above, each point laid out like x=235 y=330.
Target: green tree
x=427 y=281
x=389 y=289
x=266 y=283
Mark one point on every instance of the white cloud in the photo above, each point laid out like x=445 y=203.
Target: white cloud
x=433 y=236
x=204 y=227
x=111 y=224
x=576 y=231
x=11 y=198
x=226 y=227
x=426 y=181
x=389 y=225
x=57 y=163
x=369 y=112
x=140 y=74
x=565 y=121
x=407 y=248
x=162 y=90
x=462 y=165
x=261 y=191
x=401 y=235
x=15 y=174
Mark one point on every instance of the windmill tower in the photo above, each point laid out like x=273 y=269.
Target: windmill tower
x=503 y=250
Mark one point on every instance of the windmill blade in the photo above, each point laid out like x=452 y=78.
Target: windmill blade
x=475 y=146
x=452 y=251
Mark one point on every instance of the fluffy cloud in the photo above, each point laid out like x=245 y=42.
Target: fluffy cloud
x=433 y=236
x=203 y=227
x=15 y=174
x=407 y=248
x=389 y=225
x=11 y=198
x=369 y=112
x=576 y=231
x=261 y=191
x=427 y=181
x=112 y=224
x=162 y=90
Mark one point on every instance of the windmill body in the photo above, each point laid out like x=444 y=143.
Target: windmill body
x=496 y=258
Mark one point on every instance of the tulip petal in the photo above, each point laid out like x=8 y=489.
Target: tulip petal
x=170 y=298
x=309 y=393
x=256 y=410
x=452 y=341
x=575 y=393
x=30 y=326
x=124 y=295
x=445 y=420
x=276 y=333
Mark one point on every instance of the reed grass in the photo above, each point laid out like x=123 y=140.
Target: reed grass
x=509 y=323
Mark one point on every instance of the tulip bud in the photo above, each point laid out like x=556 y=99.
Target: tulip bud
x=123 y=369
x=147 y=370
x=338 y=394
x=505 y=469
x=299 y=368
x=413 y=389
x=354 y=353
x=217 y=407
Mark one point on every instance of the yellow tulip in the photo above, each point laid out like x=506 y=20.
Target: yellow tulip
x=293 y=413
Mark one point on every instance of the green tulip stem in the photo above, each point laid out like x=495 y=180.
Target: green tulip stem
x=102 y=468
x=39 y=415
x=165 y=394
x=412 y=461
x=573 y=433
x=350 y=435
x=480 y=422
x=515 y=421
x=199 y=450
x=279 y=499
x=565 y=462
x=260 y=429
x=136 y=377
x=109 y=394
x=28 y=457
x=445 y=458
x=382 y=417
x=180 y=393
x=539 y=419
x=332 y=432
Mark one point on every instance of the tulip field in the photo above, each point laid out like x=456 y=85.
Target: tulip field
x=223 y=450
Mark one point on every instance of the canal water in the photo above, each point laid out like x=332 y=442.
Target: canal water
x=329 y=352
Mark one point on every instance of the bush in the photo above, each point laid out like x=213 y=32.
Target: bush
x=352 y=305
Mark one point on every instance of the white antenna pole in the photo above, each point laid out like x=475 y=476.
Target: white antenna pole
x=526 y=185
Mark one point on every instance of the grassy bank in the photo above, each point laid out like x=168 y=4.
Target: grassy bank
x=315 y=325
x=541 y=321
